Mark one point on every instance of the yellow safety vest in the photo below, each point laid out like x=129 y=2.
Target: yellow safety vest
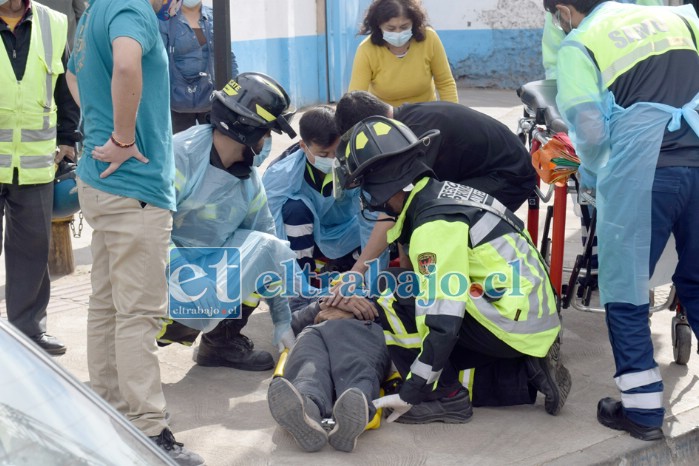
x=620 y=43
x=27 y=107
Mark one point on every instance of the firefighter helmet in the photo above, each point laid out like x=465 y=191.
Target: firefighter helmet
x=249 y=106
x=382 y=156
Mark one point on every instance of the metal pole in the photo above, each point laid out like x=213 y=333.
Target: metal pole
x=222 y=42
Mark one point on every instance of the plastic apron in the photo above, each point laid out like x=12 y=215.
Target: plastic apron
x=624 y=196
x=216 y=209
x=336 y=223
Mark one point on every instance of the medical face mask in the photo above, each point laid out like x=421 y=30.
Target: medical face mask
x=558 y=21
x=191 y=3
x=264 y=153
x=398 y=39
x=324 y=164
x=2 y=2
x=168 y=9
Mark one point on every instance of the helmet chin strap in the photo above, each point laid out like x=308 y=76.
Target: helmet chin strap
x=376 y=220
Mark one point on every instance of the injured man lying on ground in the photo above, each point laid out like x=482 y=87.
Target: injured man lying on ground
x=325 y=390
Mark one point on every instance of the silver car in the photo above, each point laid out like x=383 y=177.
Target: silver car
x=47 y=417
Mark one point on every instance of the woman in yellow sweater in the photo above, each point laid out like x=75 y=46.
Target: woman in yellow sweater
x=402 y=60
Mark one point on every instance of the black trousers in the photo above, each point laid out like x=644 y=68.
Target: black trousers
x=336 y=355
x=27 y=210
x=500 y=374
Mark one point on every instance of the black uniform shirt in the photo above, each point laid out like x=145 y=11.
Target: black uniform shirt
x=471 y=145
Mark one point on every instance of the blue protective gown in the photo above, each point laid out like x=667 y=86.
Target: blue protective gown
x=621 y=147
x=216 y=209
x=608 y=137
x=338 y=227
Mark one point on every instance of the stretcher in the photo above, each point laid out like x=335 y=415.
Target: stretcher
x=541 y=121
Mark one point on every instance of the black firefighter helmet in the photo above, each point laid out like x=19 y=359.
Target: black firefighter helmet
x=383 y=156
x=250 y=105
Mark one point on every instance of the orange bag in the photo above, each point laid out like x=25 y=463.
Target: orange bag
x=556 y=160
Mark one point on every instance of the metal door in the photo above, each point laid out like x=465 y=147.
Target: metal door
x=343 y=18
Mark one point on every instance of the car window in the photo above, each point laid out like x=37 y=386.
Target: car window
x=47 y=417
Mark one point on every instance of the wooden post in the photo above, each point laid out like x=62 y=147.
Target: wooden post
x=61 y=247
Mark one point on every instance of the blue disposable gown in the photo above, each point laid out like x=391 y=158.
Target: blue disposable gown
x=216 y=209
x=621 y=147
x=338 y=227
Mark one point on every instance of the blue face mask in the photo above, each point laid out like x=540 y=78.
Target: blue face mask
x=398 y=39
x=191 y=3
x=168 y=9
x=264 y=152
x=324 y=164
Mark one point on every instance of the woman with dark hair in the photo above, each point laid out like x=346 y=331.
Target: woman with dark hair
x=403 y=59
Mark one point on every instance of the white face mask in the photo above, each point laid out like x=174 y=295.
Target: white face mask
x=264 y=152
x=188 y=3
x=324 y=164
x=398 y=39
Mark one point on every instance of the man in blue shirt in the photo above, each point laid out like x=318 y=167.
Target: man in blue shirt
x=118 y=71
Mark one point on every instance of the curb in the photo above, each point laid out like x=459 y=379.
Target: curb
x=680 y=447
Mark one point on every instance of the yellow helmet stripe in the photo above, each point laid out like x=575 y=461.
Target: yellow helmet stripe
x=264 y=113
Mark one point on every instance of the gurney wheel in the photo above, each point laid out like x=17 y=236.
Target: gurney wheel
x=681 y=341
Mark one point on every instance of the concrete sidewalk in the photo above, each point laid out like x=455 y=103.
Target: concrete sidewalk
x=222 y=414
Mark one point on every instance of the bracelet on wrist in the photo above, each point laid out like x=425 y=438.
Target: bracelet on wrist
x=121 y=144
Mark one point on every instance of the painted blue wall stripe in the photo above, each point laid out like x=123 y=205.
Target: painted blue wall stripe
x=483 y=58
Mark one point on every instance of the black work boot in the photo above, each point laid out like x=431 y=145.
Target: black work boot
x=610 y=413
x=226 y=346
x=298 y=414
x=456 y=409
x=550 y=377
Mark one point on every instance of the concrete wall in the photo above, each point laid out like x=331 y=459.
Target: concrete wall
x=490 y=43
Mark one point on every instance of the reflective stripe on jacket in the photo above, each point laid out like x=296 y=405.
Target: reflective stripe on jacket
x=471 y=261
x=27 y=109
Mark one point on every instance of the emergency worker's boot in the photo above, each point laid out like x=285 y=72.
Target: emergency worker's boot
x=455 y=409
x=297 y=414
x=226 y=346
x=550 y=377
x=610 y=413
x=351 y=414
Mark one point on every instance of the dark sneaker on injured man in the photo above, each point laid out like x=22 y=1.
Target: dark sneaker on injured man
x=234 y=351
x=456 y=409
x=351 y=414
x=175 y=450
x=610 y=413
x=297 y=414
x=550 y=377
